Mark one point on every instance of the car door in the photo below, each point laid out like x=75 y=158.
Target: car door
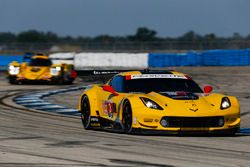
x=111 y=101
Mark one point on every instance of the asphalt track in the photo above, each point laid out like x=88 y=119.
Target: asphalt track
x=36 y=135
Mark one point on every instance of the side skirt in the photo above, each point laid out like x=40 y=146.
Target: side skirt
x=109 y=125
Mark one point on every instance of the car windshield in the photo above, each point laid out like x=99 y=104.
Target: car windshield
x=40 y=62
x=161 y=85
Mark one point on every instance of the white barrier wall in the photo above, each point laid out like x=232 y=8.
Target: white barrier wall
x=86 y=61
x=58 y=58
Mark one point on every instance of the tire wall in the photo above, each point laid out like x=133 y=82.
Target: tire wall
x=119 y=61
x=205 y=58
x=110 y=60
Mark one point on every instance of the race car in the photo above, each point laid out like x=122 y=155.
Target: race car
x=158 y=102
x=39 y=68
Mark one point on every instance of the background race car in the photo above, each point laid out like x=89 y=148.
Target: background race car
x=39 y=68
x=161 y=102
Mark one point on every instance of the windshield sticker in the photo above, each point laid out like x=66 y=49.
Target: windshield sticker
x=145 y=76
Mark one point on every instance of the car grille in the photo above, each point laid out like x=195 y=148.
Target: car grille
x=202 y=122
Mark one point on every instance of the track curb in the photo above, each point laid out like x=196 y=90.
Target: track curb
x=36 y=101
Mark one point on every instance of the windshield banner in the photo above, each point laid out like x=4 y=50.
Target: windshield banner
x=145 y=76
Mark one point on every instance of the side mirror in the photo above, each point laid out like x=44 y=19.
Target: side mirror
x=109 y=89
x=208 y=89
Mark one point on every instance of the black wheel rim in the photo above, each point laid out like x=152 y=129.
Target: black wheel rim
x=127 y=118
x=85 y=114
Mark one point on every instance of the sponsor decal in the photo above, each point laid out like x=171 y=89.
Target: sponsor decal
x=134 y=120
x=148 y=120
x=104 y=72
x=109 y=108
x=95 y=122
x=146 y=76
x=193 y=107
x=94 y=119
x=104 y=108
x=194 y=110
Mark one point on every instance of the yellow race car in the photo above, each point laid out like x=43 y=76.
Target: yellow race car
x=40 y=69
x=158 y=101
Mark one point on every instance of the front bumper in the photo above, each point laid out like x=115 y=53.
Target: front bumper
x=230 y=131
x=230 y=125
x=40 y=80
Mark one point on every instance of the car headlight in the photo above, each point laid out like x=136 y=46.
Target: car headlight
x=150 y=103
x=225 y=103
x=55 y=70
x=14 y=70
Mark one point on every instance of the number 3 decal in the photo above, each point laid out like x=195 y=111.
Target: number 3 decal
x=109 y=108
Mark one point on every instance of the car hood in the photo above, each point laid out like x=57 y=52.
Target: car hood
x=36 y=72
x=188 y=105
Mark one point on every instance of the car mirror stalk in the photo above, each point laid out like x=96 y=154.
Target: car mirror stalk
x=110 y=89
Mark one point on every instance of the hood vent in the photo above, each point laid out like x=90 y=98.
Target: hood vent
x=180 y=95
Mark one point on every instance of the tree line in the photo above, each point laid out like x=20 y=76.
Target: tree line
x=142 y=34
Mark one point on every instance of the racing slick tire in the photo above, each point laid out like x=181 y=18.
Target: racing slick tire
x=12 y=80
x=85 y=113
x=127 y=117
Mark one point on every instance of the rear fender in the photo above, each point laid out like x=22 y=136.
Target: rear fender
x=68 y=71
x=93 y=98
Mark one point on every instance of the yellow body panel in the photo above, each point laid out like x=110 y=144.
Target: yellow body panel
x=35 y=73
x=207 y=105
